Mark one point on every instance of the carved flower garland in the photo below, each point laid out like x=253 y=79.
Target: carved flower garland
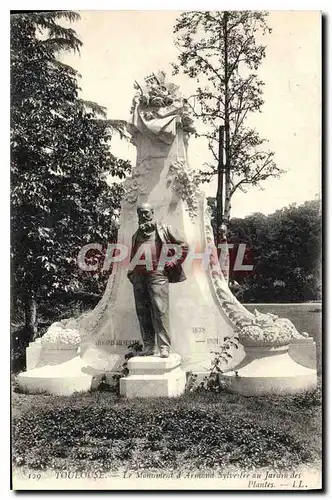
x=184 y=183
x=268 y=330
x=60 y=336
x=131 y=190
x=133 y=187
x=157 y=93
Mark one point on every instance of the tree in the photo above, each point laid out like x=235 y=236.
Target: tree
x=286 y=251
x=297 y=262
x=60 y=157
x=220 y=51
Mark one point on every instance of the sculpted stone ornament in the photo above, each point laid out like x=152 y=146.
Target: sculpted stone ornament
x=157 y=99
x=59 y=337
x=186 y=318
x=184 y=183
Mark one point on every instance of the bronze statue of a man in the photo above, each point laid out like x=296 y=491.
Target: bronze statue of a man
x=163 y=251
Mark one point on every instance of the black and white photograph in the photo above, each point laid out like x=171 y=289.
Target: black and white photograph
x=166 y=250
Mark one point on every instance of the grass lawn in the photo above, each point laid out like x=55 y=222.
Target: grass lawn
x=100 y=431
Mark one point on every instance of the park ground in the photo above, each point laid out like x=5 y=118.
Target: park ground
x=100 y=431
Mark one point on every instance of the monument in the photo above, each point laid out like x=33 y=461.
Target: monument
x=203 y=312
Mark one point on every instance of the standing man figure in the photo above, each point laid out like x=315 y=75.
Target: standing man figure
x=151 y=276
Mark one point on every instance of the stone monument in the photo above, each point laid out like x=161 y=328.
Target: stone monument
x=203 y=312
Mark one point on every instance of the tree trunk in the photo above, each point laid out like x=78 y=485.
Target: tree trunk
x=227 y=133
x=228 y=206
x=220 y=193
x=226 y=213
x=30 y=313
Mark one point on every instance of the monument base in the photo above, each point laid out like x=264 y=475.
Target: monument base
x=61 y=379
x=303 y=351
x=63 y=372
x=269 y=371
x=152 y=376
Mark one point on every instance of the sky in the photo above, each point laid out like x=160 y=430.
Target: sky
x=122 y=46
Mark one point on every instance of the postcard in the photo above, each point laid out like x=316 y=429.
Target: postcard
x=166 y=250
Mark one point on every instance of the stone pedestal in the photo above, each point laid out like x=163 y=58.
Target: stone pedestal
x=61 y=372
x=33 y=352
x=303 y=351
x=152 y=376
x=267 y=370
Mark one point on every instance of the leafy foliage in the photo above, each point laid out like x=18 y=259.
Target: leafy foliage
x=60 y=158
x=212 y=382
x=285 y=247
x=220 y=50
